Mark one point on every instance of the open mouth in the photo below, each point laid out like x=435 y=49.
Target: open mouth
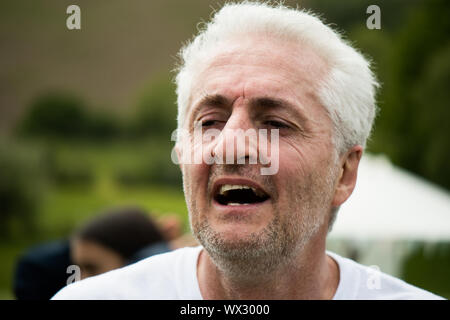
x=235 y=195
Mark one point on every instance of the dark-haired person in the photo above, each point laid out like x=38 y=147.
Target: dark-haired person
x=109 y=241
x=115 y=239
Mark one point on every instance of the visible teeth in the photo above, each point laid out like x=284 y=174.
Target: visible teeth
x=227 y=187
x=237 y=204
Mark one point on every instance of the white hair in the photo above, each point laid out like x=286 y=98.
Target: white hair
x=348 y=90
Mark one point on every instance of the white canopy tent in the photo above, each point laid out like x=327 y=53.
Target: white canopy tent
x=390 y=203
x=389 y=209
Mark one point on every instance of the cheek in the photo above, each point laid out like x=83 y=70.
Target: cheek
x=195 y=182
x=302 y=155
x=302 y=167
x=294 y=160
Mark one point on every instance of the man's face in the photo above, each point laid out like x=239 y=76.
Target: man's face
x=260 y=83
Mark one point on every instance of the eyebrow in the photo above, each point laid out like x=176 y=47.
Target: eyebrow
x=215 y=100
x=280 y=104
x=211 y=100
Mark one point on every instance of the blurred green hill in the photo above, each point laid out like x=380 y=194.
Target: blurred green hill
x=120 y=47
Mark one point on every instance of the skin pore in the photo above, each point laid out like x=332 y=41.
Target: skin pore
x=275 y=249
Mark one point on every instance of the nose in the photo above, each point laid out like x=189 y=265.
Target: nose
x=237 y=141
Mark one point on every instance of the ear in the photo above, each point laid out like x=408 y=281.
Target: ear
x=179 y=155
x=347 y=177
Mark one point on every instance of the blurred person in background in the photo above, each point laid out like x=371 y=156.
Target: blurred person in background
x=110 y=241
x=42 y=270
x=116 y=239
x=171 y=227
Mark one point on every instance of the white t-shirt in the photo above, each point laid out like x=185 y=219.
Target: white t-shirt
x=173 y=275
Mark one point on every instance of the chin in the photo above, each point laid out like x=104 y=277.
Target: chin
x=235 y=236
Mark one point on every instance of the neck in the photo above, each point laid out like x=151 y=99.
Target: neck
x=311 y=274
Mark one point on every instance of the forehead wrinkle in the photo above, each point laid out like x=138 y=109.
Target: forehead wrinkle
x=283 y=53
x=310 y=68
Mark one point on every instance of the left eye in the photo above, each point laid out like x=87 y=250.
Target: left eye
x=208 y=123
x=276 y=124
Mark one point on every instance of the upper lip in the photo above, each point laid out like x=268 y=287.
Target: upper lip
x=235 y=181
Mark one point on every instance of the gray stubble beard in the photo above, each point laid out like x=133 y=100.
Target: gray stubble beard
x=275 y=247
